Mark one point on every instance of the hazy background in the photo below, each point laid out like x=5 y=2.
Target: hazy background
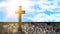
x=35 y=10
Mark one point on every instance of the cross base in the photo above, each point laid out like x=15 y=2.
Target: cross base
x=19 y=29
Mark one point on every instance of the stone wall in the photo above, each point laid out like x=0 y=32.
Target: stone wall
x=41 y=28
x=31 y=28
x=9 y=29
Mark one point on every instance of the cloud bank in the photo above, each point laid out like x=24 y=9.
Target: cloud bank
x=36 y=10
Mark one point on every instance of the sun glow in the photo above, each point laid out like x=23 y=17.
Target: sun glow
x=12 y=7
x=13 y=4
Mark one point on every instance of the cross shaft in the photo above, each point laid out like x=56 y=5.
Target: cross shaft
x=20 y=12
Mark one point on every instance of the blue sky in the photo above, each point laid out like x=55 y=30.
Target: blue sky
x=35 y=10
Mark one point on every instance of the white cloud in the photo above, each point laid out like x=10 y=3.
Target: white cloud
x=11 y=18
x=45 y=18
x=42 y=17
x=2 y=4
x=47 y=5
x=39 y=18
x=56 y=17
x=12 y=6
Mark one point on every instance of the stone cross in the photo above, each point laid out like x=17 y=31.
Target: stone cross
x=20 y=12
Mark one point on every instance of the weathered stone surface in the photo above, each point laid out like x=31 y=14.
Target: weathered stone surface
x=43 y=28
x=28 y=28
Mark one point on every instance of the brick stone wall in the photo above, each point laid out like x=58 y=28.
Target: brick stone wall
x=31 y=28
x=9 y=29
x=41 y=28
